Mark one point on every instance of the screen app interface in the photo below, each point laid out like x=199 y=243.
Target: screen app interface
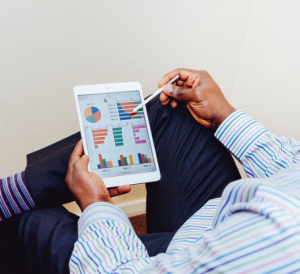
x=118 y=142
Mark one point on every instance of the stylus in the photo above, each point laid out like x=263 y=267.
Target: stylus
x=154 y=94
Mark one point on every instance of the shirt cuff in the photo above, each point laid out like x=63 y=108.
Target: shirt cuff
x=101 y=211
x=239 y=132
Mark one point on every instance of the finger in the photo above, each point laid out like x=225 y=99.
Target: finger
x=173 y=104
x=164 y=99
x=76 y=154
x=183 y=75
x=179 y=83
x=178 y=93
x=120 y=190
x=81 y=164
x=206 y=123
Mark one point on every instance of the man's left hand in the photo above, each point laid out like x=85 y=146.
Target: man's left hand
x=88 y=187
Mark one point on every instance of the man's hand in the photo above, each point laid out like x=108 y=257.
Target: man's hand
x=204 y=99
x=87 y=187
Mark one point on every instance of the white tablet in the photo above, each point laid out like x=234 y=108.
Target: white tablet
x=119 y=143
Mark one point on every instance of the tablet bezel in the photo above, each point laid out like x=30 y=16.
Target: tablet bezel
x=114 y=181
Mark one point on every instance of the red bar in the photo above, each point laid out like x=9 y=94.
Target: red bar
x=122 y=160
x=143 y=158
x=101 y=160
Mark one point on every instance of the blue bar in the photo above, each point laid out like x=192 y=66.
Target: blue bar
x=120 y=163
x=99 y=167
x=121 y=111
x=125 y=118
x=140 y=158
x=124 y=114
x=118 y=104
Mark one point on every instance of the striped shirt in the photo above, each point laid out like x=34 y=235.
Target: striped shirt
x=14 y=196
x=253 y=228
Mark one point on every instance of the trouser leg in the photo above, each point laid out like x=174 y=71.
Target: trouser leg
x=46 y=171
x=195 y=167
x=46 y=239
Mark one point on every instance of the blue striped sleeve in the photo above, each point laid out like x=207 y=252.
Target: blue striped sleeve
x=14 y=196
x=261 y=152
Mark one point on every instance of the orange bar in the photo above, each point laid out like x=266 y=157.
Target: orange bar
x=100 y=130
x=111 y=164
x=99 y=138
x=127 y=104
x=99 y=134
x=99 y=142
x=143 y=158
x=129 y=110
x=101 y=160
x=131 y=160
x=96 y=146
x=122 y=160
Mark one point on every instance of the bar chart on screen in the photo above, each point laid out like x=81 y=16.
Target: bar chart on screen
x=118 y=136
x=121 y=161
x=140 y=134
x=99 y=136
x=125 y=110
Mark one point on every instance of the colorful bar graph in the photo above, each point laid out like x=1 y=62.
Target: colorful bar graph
x=104 y=163
x=137 y=131
x=125 y=110
x=143 y=159
x=123 y=161
x=118 y=136
x=99 y=136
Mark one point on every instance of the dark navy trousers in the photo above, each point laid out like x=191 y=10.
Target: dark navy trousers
x=195 y=167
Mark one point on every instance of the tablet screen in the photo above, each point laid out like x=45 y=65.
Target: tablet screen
x=117 y=141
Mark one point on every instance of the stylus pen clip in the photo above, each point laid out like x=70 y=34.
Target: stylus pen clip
x=154 y=94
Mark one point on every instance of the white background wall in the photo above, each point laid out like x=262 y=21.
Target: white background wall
x=251 y=48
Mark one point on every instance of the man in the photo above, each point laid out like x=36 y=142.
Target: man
x=252 y=228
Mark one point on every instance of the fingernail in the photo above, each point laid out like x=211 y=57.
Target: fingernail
x=168 y=88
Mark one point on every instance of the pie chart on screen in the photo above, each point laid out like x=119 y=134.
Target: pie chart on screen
x=92 y=114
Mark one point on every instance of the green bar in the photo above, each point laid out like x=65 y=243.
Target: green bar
x=104 y=163
x=119 y=144
x=117 y=132
x=137 y=103
x=118 y=140
x=125 y=161
x=118 y=136
x=117 y=128
x=146 y=159
x=137 y=117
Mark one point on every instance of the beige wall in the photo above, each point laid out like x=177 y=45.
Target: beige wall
x=251 y=48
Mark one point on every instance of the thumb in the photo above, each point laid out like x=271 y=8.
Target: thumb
x=178 y=93
x=84 y=161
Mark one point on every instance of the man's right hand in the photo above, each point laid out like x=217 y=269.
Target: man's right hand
x=204 y=99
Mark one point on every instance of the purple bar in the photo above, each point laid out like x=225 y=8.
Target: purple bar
x=137 y=138
x=107 y=164
x=136 y=130
x=140 y=142
x=141 y=126
x=149 y=160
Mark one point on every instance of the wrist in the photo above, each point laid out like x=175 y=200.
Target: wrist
x=87 y=202
x=226 y=112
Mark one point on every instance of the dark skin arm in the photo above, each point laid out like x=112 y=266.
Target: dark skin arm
x=204 y=99
x=86 y=186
